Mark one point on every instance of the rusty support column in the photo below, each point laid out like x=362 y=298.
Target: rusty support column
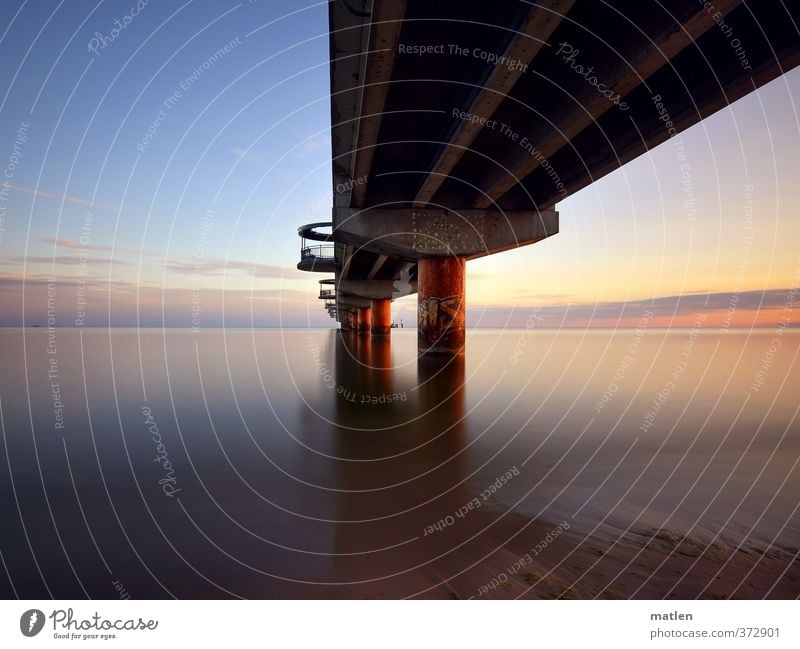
x=381 y=317
x=354 y=320
x=364 y=319
x=441 y=311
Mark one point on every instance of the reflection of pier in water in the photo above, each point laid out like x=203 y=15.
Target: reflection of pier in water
x=405 y=512
x=412 y=517
x=405 y=468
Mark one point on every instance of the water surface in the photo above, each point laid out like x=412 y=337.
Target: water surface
x=318 y=464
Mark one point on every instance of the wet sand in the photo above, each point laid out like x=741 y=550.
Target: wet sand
x=501 y=561
x=645 y=564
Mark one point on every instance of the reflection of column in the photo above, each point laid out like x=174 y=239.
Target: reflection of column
x=441 y=389
x=363 y=371
x=403 y=470
x=364 y=319
x=442 y=308
x=355 y=383
x=381 y=317
x=362 y=351
x=381 y=365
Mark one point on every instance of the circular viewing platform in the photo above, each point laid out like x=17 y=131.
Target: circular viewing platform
x=327 y=289
x=317 y=258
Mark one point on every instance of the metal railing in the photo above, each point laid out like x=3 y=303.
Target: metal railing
x=317 y=253
x=320 y=257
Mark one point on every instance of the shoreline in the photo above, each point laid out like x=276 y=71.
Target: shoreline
x=645 y=564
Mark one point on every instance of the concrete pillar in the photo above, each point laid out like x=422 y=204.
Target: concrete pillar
x=354 y=320
x=381 y=317
x=364 y=319
x=441 y=311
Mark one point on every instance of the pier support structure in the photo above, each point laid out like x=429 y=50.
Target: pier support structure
x=364 y=319
x=441 y=309
x=385 y=253
x=381 y=317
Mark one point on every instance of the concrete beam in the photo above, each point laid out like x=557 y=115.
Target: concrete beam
x=543 y=18
x=353 y=302
x=387 y=22
x=629 y=74
x=651 y=134
x=379 y=262
x=416 y=233
x=375 y=289
x=348 y=35
x=347 y=258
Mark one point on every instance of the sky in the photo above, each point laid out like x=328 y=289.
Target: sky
x=156 y=174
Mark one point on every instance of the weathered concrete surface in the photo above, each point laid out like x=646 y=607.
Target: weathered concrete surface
x=375 y=289
x=415 y=233
x=353 y=301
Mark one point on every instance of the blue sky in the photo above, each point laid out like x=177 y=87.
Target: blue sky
x=93 y=110
x=182 y=149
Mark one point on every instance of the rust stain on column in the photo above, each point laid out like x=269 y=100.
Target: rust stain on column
x=442 y=307
x=381 y=317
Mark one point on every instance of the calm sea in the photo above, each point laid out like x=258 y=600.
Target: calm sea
x=290 y=463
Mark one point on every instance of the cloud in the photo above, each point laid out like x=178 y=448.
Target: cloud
x=316 y=143
x=211 y=266
x=247 y=154
x=313 y=144
x=62 y=260
x=219 y=266
x=124 y=304
x=77 y=245
x=747 y=308
x=15 y=282
x=62 y=197
x=549 y=298
x=697 y=302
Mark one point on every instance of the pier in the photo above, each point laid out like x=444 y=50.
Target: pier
x=457 y=127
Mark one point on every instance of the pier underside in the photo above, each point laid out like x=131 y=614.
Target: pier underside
x=458 y=126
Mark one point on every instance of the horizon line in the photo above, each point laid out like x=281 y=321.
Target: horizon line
x=576 y=328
